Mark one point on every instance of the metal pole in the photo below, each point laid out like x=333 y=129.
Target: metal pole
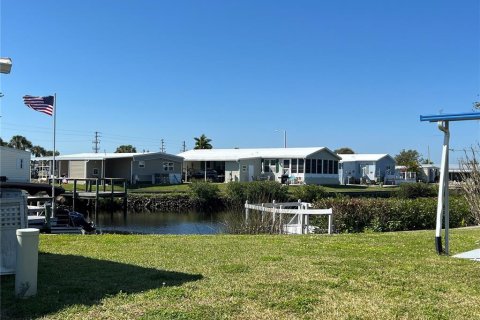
x=54 y=151
x=285 y=138
x=443 y=189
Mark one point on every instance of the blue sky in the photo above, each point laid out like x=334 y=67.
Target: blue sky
x=330 y=73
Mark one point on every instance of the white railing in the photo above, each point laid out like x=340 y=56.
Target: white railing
x=301 y=215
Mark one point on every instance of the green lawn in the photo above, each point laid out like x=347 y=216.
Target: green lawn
x=347 y=276
x=183 y=188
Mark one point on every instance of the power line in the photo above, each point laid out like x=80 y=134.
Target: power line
x=162 y=147
x=96 y=142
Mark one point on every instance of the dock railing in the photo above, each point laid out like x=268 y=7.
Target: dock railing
x=94 y=189
x=300 y=210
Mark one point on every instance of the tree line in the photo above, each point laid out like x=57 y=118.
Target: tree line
x=412 y=159
x=22 y=143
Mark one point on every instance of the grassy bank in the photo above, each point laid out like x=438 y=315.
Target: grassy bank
x=184 y=188
x=347 y=276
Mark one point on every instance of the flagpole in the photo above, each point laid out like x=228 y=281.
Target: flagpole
x=54 y=151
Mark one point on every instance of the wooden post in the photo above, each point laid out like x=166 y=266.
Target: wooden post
x=48 y=213
x=125 y=203
x=96 y=198
x=74 y=196
x=246 y=211
x=111 y=194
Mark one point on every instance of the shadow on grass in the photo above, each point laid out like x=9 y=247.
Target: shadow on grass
x=65 y=280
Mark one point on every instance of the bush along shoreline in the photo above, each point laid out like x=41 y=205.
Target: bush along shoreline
x=413 y=208
x=393 y=214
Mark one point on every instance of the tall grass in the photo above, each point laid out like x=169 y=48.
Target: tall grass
x=235 y=222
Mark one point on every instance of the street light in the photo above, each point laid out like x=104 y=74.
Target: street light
x=284 y=137
x=5 y=65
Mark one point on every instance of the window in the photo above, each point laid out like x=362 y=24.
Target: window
x=168 y=166
x=294 y=166
x=301 y=165
x=308 y=163
x=244 y=168
x=95 y=171
x=286 y=164
x=319 y=166
x=335 y=167
x=19 y=163
x=268 y=165
x=330 y=166
x=325 y=166
x=141 y=164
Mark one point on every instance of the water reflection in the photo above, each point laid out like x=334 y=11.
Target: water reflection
x=158 y=223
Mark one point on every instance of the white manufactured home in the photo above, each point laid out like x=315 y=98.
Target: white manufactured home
x=365 y=168
x=316 y=165
x=154 y=167
x=15 y=164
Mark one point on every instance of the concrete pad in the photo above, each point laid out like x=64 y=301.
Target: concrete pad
x=472 y=255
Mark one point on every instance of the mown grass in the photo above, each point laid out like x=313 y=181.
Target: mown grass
x=184 y=188
x=348 y=276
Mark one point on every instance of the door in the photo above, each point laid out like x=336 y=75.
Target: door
x=250 y=172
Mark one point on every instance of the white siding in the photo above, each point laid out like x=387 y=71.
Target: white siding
x=15 y=164
x=77 y=169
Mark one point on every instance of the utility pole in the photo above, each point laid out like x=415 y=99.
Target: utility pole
x=184 y=147
x=162 y=147
x=96 y=142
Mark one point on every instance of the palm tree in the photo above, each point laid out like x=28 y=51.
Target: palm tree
x=38 y=151
x=126 y=149
x=203 y=142
x=20 y=142
x=49 y=153
x=3 y=143
x=344 y=150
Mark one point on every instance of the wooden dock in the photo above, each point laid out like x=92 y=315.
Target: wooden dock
x=96 y=189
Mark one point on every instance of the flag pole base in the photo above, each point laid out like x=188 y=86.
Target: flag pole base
x=438 y=245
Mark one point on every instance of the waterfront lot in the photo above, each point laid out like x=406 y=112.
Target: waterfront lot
x=346 y=276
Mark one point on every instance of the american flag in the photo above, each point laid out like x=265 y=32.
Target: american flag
x=41 y=104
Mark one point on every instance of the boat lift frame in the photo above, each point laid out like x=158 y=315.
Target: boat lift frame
x=443 y=121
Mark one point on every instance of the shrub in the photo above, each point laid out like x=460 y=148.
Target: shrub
x=470 y=174
x=256 y=192
x=205 y=193
x=309 y=193
x=359 y=214
x=416 y=190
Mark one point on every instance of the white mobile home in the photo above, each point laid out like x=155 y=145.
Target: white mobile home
x=15 y=164
x=356 y=168
x=294 y=165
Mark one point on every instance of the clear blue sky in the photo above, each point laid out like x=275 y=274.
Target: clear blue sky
x=330 y=73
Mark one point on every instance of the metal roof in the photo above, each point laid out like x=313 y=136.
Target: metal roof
x=363 y=157
x=238 y=154
x=105 y=156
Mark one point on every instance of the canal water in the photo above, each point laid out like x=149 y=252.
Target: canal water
x=158 y=223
